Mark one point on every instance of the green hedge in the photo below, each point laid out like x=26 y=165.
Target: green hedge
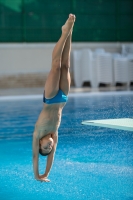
x=41 y=20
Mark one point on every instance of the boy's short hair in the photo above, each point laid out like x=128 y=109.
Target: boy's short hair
x=44 y=154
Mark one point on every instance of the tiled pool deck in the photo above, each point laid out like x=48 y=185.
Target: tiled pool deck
x=39 y=90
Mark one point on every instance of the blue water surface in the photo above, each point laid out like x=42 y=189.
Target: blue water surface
x=91 y=163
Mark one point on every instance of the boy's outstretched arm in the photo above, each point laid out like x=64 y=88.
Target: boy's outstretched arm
x=35 y=148
x=50 y=159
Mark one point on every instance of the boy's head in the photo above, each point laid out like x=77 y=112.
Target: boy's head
x=45 y=145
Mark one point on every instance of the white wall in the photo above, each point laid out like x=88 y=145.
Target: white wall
x=25 y=58
x=31 y=58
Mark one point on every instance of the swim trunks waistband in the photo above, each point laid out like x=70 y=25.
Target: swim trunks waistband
x=59 y=98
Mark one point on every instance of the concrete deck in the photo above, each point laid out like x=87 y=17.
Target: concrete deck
x=39 y=90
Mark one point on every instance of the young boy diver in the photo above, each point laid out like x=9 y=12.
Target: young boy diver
x=57 y=86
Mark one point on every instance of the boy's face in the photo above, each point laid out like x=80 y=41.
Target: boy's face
x=46 y=144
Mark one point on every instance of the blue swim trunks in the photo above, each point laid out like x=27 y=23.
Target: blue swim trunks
x=59 y=98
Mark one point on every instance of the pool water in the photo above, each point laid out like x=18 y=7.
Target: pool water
x=91 y=163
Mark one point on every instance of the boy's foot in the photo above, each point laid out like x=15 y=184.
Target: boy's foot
x=67 y=27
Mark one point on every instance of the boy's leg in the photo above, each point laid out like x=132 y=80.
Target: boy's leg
x=52 y=82
x=65 y=78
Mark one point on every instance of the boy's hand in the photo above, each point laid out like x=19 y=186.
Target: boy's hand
x=42 y=178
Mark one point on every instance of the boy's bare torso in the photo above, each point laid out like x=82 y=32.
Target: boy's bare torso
x=49 y=120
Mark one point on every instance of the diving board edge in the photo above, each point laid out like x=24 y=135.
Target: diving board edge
x=107 y=126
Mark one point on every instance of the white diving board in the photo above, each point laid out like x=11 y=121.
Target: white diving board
x=122 y=123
